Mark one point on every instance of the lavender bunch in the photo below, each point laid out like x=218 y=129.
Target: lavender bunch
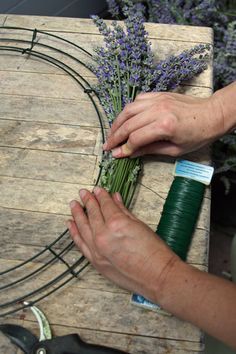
x=212 y=13
x=125 y=66
x=194 y=12
x=225 y=55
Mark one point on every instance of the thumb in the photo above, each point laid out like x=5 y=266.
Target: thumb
x=124 y=150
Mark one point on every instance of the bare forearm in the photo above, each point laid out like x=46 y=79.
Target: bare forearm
x=226 y=98
x=205 y=300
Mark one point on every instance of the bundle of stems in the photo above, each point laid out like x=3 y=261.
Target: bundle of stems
x=124 y=66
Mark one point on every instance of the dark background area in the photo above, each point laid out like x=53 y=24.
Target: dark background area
x=66 y=8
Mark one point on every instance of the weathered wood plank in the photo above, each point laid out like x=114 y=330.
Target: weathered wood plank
x=3 y=19
x=36 y=195
x=32 y=228
x=77 y=305
x=39 y=229
x=47 y=165
x=20 y=250
x=202 y=92
x=43 y=113
x=53 y=197
x=113 y=312
x=43 y=136
x=42 y=85
x=16 y=63
x=88 y=279
x=175 y=32
x=49 y=110
x=132 y=344
x=163 y=48
x=21 y=246
x=66 y=111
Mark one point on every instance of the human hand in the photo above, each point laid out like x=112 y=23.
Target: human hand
x=120 y=246
x=165 y=123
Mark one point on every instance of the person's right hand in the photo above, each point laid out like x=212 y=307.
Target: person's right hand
x=165 y=123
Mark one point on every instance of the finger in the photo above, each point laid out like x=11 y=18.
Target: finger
x=159 y=148
x=95 y=218
x=78 y=240
x=131 y=110
x=119 y=202
x=140 y=138
x=132 y=124
x=80 y=219
x=108 y=207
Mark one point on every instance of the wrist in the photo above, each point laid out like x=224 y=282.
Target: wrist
x=225 y=107
x=163 y=282
x=171 y=285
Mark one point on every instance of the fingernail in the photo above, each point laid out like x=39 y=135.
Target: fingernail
x=96 y=190
x=82 y=193
x=104 y=146
x=73 y=203
x=118 y=196
x=126 y=149
x=116 y=152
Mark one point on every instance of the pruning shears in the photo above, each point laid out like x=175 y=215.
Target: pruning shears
x=46 y=344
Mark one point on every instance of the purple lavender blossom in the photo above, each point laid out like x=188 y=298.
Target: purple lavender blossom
x=175 y=70
x=189 y=12
x=225 y=55
x=113 y=8
x=125 y=65
x=121 y=61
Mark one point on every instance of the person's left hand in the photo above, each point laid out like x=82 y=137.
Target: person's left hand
x=120 y=246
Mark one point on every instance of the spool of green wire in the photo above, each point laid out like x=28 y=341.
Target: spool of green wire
x=180 y=214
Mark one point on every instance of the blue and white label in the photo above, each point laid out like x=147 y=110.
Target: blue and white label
x=193 y=170
x=139 y=300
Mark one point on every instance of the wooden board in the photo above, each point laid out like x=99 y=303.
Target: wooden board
x=50 y=147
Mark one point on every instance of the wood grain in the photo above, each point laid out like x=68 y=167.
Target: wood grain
x=64 y=25
x=50 y=147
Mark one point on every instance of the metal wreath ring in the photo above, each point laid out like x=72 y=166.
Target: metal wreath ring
x=73 y=270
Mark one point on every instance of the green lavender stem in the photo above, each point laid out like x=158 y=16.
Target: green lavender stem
x=121 y=175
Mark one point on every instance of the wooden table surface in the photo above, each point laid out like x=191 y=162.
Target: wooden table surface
x=50 y=147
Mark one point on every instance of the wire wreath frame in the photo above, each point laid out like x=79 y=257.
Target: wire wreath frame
x=31 y=48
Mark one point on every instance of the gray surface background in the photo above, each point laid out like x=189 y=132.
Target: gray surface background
x=67 y=8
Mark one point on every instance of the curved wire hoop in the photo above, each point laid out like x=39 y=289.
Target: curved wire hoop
x=75 y=267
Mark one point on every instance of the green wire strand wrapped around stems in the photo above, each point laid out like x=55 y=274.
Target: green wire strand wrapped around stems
x=180 y=214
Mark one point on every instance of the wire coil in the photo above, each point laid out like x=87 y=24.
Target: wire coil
x=180 y=214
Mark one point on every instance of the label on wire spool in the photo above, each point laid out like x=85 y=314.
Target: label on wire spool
x=193 y=170
x=140 y=301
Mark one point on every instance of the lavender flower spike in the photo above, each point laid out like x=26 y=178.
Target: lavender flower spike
x=124 y=66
